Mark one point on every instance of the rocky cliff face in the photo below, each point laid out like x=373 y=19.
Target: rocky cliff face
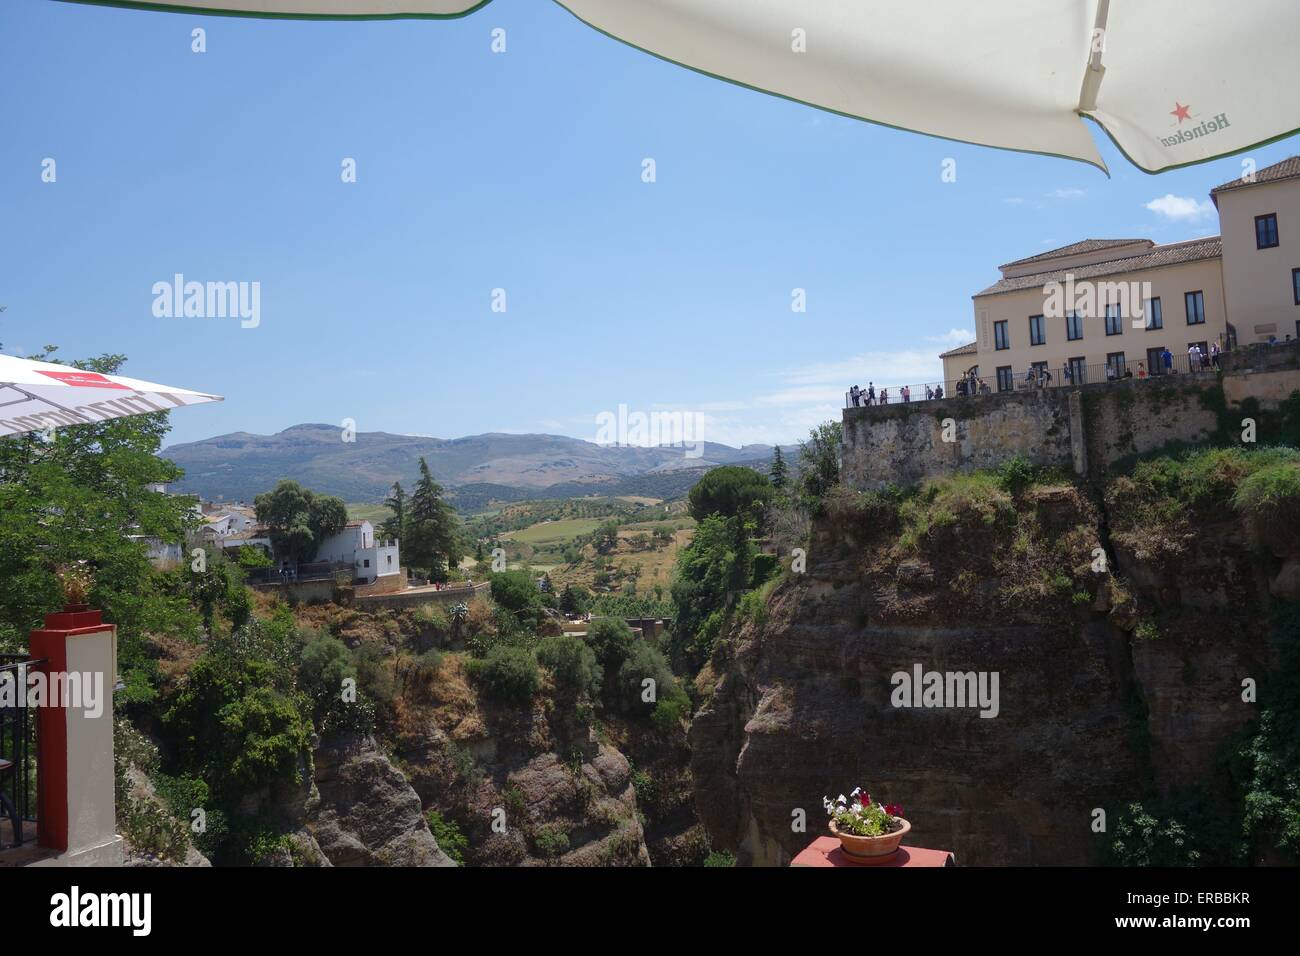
x=353 y=807
x=528 y=786
x=363 y=812
x=1110 y=683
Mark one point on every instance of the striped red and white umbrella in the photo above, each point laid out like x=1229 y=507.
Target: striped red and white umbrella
x=1172 y=82
x=35 y=396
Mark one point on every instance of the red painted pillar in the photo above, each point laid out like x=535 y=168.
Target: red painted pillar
x=75 y=742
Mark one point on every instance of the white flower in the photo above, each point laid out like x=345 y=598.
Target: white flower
x=842 y=799
x=856 y=791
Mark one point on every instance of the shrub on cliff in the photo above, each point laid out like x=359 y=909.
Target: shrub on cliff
x=240 y=721
x=958 y=517
x=819 y=463
x=507 y=673
x=645 y=664
x=1141 y=838
x=611 y=640
x=1166 y=497
x=712 y=572
x=1267 y=761
x=450 y=838
x=572 y=664
x=326 y=665
x=1271 y=499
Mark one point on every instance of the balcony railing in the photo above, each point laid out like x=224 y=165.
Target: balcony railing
x=17 y=752
x=1035 y=377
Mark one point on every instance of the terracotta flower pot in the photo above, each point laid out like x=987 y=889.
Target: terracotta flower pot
x=872 y=848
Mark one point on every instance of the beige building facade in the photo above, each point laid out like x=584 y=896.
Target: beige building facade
x=1107 y=308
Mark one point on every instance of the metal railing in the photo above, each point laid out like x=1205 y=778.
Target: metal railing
x=18 y=748
x=318 y=571
x=1009 y=379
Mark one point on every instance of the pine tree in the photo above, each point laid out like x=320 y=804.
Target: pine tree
x=430 y=526
x=778 y=472
x=394 y=527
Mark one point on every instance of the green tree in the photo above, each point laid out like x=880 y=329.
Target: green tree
x=325 y=666
x=299 y=520
x=507 y=672
x=574 y=600
x=730 y=491
x=572 y=664
x=645 y=681
x=432 y=540
x=85 y=496
x=779 y=473
x=394 y=526
x=712 y=573
x=516 y=591
x=239 y=720
x=605 y=538
x=819 y=459
x=250 y=557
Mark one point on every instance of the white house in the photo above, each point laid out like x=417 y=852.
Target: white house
x=356 y=545
x=225 y=523
x=163 y=555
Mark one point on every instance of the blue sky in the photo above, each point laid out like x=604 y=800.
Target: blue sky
x=520 y=171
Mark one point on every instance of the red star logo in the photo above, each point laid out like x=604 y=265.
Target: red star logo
x=1181 y=112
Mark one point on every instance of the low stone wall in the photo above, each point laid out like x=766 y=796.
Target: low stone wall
x=1086 y=429
x=303 y=592
x=384 y=584
x=906 y=443
x=417 y=596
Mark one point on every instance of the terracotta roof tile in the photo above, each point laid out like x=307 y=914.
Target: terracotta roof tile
x=1287 y=169
x=1174 y=253
x=969 y=348
x=1074 y=249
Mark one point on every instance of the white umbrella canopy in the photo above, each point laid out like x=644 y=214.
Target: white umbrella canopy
x=1172 y=82
x=37 y=395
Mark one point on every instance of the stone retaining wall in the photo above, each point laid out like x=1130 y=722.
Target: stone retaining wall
x=1086 y=429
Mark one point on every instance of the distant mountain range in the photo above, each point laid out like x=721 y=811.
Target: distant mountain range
x=476 y=469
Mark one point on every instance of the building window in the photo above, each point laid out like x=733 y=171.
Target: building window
x=1005 y=381
x=1076 y=370
x=1295 y=284
x=1155 y=314
x=1037 y=335
x=1000 y=340
x=1195 y=302
x=1266 y=231
x=366 y=563
x=1113 y=324
x=1114 y=365
x=1073 y=327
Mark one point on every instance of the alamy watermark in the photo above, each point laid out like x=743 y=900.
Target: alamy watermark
x=652 y=429
x=75 y=690
x=179 y=299
x=1088 y=299
x=922 y=688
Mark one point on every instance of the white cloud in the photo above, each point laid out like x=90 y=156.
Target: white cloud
x=1181 y=208
x=1067 y=192
x=798 y=399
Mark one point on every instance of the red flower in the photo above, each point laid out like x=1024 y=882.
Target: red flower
x=893 y=809
x=864 y=798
